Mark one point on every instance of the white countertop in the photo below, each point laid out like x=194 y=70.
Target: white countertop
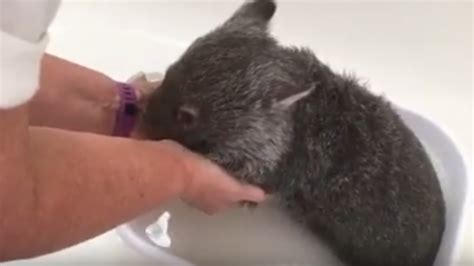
x=417 y=54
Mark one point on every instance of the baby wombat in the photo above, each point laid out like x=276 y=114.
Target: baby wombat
x=341 y=161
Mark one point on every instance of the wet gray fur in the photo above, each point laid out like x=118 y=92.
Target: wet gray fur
x=340 y=159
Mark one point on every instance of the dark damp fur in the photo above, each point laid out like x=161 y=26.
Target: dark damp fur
x=339 y=158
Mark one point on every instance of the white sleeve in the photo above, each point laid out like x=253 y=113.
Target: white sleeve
x=23 y=39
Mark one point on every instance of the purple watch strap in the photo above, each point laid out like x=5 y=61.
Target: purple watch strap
x=127 y=111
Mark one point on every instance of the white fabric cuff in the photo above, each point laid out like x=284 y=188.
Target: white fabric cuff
x=19 y=69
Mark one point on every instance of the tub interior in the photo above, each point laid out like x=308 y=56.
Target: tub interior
x=267 y=236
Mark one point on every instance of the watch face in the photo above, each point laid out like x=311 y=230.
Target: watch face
x=131 y=109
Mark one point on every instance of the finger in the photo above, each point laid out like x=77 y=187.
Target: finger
x=150 y=86
x=251 y=193
x=213 y=209
x=138 y=77
x=152 y=82
x=154 y=77
x=270 y=197
x=145 y=83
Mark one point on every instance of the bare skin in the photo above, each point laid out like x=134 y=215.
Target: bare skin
x=72 y=185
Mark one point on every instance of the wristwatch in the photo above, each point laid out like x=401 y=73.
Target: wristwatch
x=127 y=111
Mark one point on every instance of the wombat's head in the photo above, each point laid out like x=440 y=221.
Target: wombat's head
x=229 y=96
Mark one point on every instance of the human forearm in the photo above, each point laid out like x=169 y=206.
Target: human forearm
x=78 y=178
x=60 y=187
x=73 y=97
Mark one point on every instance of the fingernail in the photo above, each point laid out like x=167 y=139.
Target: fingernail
x=248 y=205
x=256 y=194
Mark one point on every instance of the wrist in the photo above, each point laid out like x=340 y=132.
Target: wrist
x=107 y=101
x=127 y=111
x=179 y=165
x=118 y=106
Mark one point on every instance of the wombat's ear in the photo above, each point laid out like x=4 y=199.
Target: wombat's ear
x=253 y=13
x=286 y=100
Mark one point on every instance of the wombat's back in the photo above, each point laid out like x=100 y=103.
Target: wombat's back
x=358 y=177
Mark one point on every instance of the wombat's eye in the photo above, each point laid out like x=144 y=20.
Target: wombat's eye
x=186 y=116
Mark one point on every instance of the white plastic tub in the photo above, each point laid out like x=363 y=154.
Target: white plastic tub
x=267 y=236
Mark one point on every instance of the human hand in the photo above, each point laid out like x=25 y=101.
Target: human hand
x=145 y=84
x=207 y=186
